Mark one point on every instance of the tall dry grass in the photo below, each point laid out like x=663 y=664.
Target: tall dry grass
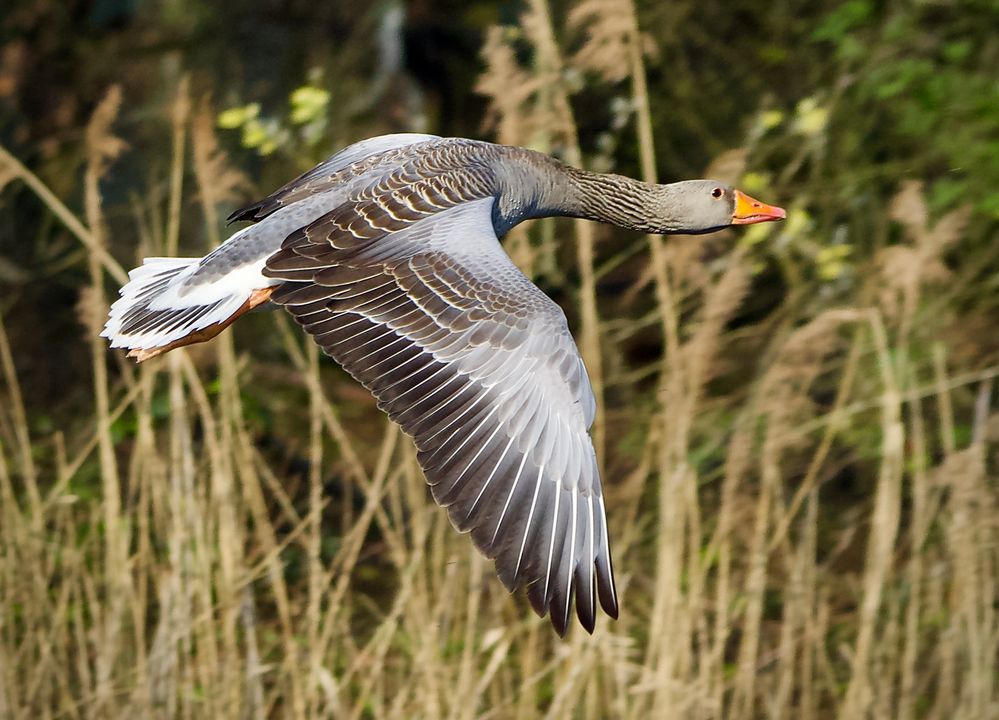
x=201 y=577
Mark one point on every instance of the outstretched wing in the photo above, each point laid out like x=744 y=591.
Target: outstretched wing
x=412 y=294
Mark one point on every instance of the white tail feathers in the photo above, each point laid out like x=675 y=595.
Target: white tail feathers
x=166 y=305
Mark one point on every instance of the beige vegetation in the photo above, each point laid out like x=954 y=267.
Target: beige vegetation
x=181 y=569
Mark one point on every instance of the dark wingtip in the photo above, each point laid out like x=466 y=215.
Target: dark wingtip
x=255 y=212
x=608 y=599
x=612 y=611
x=246 y=213
x=561 y=607
x=587 y=619
x=605 y=586
x=585 y=601
x=560 y=623
x=536 y=597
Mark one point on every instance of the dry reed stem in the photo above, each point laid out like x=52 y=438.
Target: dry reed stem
x=675 y=436
x=915 y=571
x=216 y=183
x=807 y=487
x=20 y=428
x=178 y=121
x=884 y=525
x=102 y=148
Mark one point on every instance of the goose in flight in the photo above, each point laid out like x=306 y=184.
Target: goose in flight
x=388 y=255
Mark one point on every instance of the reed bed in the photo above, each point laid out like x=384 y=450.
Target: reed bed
x=803 y=506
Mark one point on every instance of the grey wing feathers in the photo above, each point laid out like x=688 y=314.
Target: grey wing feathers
x=411 y=293
x=329 y=174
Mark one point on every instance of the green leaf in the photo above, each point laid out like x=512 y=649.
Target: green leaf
x=308 y=103
x=237 y=116
x=842 y=20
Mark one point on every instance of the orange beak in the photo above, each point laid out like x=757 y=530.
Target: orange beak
x=749 y=211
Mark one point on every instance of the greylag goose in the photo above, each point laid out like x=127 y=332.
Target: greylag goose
x=388 y=255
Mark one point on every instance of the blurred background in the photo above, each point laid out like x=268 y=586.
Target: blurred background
x=797 y=427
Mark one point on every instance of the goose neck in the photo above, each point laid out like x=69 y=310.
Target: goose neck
x=614 y=199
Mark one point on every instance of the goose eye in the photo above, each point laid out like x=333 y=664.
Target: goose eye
x=717 y=193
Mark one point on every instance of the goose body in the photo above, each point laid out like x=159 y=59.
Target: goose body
x=388 y=255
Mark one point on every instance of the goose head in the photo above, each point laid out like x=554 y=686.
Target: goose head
x=702 y=206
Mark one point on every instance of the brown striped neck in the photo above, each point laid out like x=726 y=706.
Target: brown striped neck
x=534 y=185
x=614 y=199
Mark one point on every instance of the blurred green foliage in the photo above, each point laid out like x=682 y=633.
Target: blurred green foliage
x=306 y=122
x=927 y=72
